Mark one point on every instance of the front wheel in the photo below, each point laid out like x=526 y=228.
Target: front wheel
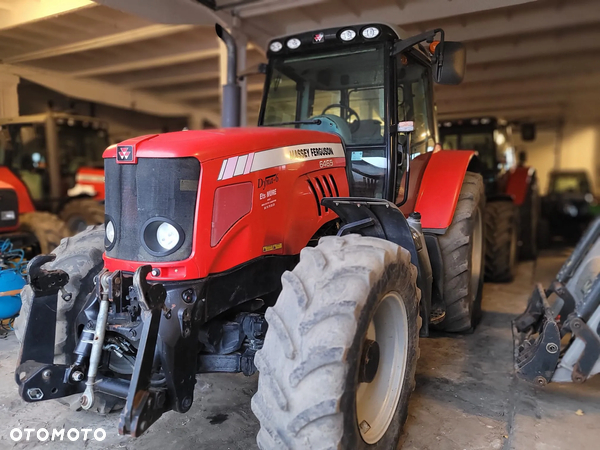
x=338 y=363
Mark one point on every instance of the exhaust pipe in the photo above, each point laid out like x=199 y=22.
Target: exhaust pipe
x=230 y=114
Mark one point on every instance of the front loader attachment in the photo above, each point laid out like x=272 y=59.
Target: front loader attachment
x=561 y=342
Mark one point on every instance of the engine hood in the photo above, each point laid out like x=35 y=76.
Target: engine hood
x=206 y=145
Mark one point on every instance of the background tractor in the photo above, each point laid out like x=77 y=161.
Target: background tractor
x=512 y=211
x=58 y=157
x=315 y=248
x=568 y=207
x=24 y=233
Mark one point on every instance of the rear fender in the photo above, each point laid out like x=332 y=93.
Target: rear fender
x=440 y=187
x=518 y=181
x=89 y=182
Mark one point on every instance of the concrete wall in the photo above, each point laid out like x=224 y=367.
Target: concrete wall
x=577 y=148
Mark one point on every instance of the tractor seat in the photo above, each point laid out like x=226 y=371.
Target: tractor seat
x=368 y=132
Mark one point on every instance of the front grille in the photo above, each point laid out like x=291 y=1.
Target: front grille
x=9 y=208
x=154 y=187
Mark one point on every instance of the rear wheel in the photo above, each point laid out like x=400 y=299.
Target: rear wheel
x=501 y=241
x=529 y=213
x=338 y=363
x=463 y=254
x=80 y=213
x=47 y=228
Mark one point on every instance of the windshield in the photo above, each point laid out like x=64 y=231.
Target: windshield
x=483 y=143
x=345 y=86
x=570 y=182
x=493 y=146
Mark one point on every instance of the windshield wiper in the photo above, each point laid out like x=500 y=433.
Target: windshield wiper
x=296 y=122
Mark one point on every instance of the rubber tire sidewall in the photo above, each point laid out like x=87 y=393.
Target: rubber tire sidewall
x=351 y=438
x=448 y=248
x=71 y=251
x=87 y=210
x=500 y=270
x=48 y=229
x=529 y=214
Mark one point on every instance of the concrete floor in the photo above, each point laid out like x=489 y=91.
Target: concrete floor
x=466 y=397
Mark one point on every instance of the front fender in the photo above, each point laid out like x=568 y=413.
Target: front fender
x=440 y=188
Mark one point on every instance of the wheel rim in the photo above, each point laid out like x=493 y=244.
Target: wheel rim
x=376 y=402
x=476 y=254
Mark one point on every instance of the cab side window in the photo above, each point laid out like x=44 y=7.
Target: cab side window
x=414 y=102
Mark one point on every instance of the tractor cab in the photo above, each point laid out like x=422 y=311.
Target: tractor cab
x=55 y=159
x=359 y=82
x=492 y=138
x=47 y=150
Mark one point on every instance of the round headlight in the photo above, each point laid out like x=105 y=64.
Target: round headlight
x=167 y=236
x=275 y=46
x=293 y=43
x=110 y=232
x=347 y=35
x=370 y=32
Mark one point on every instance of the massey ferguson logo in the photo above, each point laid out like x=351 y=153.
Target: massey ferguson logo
x=125 y=154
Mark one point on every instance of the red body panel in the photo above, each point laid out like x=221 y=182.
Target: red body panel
x=92 y=177
x=517 y=183
x=284 y=214
x=25 y=203
x=417 y=171
x=440 y=187
x=4 y=185
x=220 y=143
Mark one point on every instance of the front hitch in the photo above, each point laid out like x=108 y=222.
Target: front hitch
x=145 y=404
x=36 y=375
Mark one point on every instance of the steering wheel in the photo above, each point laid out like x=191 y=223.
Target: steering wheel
x=353 y=125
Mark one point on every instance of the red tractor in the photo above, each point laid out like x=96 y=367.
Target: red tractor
x=314 y=249
x=32 y=231
x=58 y=158
x=513 y=207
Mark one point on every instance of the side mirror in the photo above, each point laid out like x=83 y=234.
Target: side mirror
x=450 y=66
x=528 y=131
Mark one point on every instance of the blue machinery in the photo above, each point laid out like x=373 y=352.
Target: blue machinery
x=12 y=268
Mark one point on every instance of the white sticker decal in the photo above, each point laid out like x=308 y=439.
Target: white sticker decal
x=281 y=156
x=240 y=166
x=294 y=154
x=222 y=172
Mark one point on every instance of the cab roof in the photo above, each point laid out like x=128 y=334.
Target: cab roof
x=328 y=38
